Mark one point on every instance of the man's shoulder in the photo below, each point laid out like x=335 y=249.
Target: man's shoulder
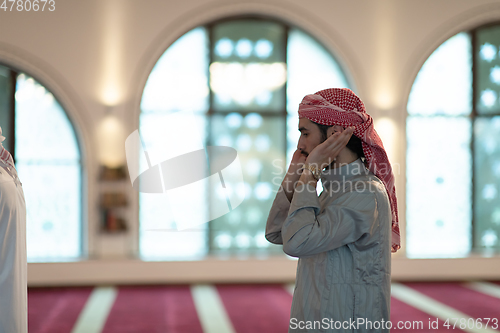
x=364 y=185
x=362 y=192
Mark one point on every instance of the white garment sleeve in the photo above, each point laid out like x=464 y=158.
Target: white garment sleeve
x=277 y=216
x=308 y=231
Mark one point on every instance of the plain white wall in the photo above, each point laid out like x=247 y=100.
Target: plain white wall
x=96 y=55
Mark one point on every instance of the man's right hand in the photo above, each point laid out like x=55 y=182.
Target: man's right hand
x=293 y=174
x=297 y=162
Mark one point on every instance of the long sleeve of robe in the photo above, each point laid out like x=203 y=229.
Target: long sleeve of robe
x=343 y=242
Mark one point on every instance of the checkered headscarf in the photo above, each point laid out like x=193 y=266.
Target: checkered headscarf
x=340 y=106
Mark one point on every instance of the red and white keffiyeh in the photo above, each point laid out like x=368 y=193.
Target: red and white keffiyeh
x=340 y=106
x=5 y=156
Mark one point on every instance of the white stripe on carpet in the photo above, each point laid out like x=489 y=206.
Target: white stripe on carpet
x=432 y=307
x=96 y=310
x=290 y=288
x=487 y=288
x=210 y=309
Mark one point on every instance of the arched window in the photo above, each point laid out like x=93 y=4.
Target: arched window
x=47 y=156
x=453 y=153
x=241 y=80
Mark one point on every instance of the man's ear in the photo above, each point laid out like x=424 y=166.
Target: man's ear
x=333 y=129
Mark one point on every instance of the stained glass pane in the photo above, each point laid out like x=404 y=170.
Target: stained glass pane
x=165 y=137
x=248 y=71
x=488 y=70
x=438 y=188
x=52 y=194
x=159 y=238
x=487 y=183
x=259 y=142
x=48 y=161
x=179 y=79
x=444 y=83
x=178 y=82
x=310 y=68
x=36 y=112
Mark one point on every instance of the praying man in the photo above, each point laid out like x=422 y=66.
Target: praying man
x=343 y=238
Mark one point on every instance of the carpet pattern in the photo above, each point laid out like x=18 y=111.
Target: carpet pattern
x=258 y=308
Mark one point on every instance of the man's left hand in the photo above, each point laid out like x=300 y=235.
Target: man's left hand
x=325 y=153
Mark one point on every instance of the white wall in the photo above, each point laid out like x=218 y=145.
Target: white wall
x=97 y=54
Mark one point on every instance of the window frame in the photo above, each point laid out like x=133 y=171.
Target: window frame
x=476 y=248
x=211 y=112
x=14 y=73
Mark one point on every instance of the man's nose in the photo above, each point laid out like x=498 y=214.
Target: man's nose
x=300 y=145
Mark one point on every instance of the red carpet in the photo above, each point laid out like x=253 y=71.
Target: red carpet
x=407 y=314
x=463 y=299
x=251 y=308
x=257 y=308
x=55 y=310
x=153 y=309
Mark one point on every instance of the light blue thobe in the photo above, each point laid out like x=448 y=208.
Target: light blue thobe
x=343 y=242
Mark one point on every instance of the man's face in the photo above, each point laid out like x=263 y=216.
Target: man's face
x=310 y=135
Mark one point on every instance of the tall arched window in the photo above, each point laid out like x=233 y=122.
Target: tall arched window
x=453 y=153
x=241 y=80
x=47 y=156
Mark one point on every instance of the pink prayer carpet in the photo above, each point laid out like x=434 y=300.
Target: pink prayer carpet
x=55 y=310
x=251 y=308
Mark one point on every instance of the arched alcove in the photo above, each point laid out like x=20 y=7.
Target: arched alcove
x=235 y=82
x=453 y=150
x=48 y=158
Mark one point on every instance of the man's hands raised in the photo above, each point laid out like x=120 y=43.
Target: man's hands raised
x=298 y=160
x=321 y=156
x=325 y=153
x=292 y=176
